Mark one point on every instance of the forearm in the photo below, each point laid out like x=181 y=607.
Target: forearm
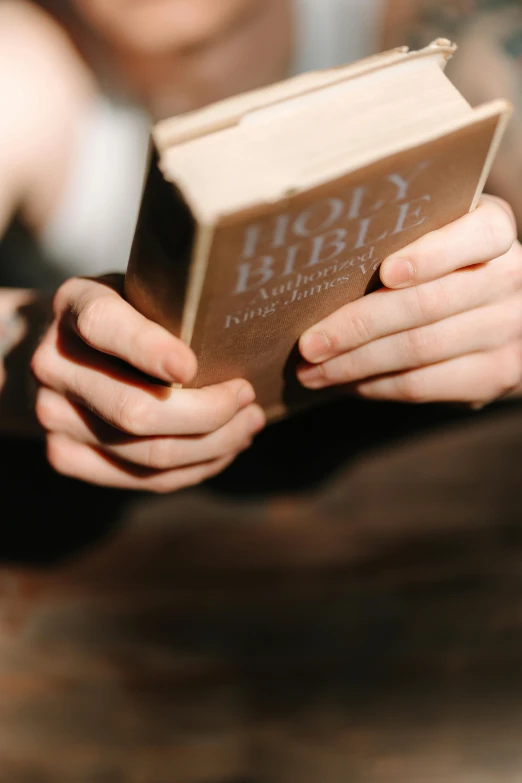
x=23 y=316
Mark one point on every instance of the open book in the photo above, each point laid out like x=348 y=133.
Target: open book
x=266 y=212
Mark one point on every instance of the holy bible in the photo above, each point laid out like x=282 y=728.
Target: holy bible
x=264 y=213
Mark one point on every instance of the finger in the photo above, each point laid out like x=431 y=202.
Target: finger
x=59 y=415
x=486 y=233
x=169 y=453
x=476 y=379
x=387 y=312
x=76 y=460
x=106 y=322
x=139 y=409
x=478 y=330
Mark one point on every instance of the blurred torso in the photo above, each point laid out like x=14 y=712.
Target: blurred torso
x=82 y=210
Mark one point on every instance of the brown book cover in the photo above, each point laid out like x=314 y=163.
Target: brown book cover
x=263 y=214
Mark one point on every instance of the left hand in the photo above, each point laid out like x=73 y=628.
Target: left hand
x=447 y=326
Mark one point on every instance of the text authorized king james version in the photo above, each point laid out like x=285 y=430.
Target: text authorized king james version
x=294 y=258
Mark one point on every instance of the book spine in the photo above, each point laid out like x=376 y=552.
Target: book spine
x=158 y=269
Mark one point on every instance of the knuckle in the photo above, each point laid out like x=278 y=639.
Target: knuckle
x=89 y=318
x=336 y=339
x=431 y=300
x=347 y=363
x=412 y=387
x=131 y=414
x=361 y=329
x=160 y=454
x=144 y=337
x=420 y=345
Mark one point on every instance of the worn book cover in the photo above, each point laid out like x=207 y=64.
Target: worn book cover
x=239 y=259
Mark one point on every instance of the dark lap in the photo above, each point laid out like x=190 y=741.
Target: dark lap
x=366 y=628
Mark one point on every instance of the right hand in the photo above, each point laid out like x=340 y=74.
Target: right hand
x=107 y=419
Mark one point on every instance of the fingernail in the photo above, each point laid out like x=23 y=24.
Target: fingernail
x=312 y=377
x=245 y=396
x=315 y=346
x=397 y=271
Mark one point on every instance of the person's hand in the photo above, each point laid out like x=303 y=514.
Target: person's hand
x=451 y=330
x=104 y=401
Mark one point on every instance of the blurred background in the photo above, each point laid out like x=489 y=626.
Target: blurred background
x=362 y=624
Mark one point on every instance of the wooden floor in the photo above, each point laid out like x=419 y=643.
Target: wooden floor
x=275 y=642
